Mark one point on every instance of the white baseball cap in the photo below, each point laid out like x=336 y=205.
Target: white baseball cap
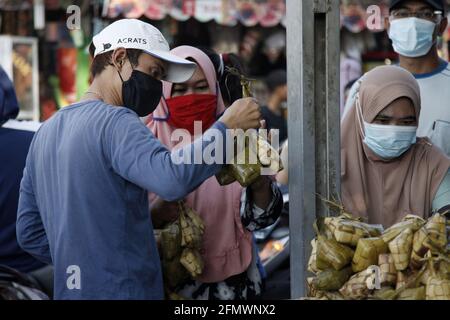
x=136 y=34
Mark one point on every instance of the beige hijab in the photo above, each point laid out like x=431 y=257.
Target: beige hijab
x=379 y=190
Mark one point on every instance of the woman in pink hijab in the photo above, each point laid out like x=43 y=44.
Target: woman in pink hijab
x=230 y=212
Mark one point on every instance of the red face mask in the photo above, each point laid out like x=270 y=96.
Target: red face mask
x=184 y=110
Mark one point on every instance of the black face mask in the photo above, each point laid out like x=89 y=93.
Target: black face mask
x=141 y=93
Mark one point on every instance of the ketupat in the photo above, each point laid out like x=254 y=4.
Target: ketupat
x=384 y=293
x=356 y=287
x=423 y=281
x=367 y=252
x=388 y=273
x=436 y=227
x=192 y=261
x=312 y=291
x=331 y=253
x=408 y=279
x=171 y=240
x=180 y=242
x=330 y=279
x=312 y=263
x=432 y=236
x=247 y=172
x=192 y=227
x=333 y=295
x=409 y=222
x=438 y=279
x=174 y=272
x=257 y=152
x=412 y=294
x=401 y=248
x=225 y=176
x=419 y=249
x=437 y=288
x=348 y=230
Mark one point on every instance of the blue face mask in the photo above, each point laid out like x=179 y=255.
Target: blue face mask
x=387 y=141
x=412 y=37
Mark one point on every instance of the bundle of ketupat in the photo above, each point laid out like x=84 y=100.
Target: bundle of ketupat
x=180 y=244
x=256 y=152
x=367 y=252
x=408 y=261
x=192 y=229
x=349 y=230
x=171 y=251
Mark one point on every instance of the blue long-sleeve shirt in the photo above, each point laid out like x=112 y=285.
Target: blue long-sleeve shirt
x=83 y=200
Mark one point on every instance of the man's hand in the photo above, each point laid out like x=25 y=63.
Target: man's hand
x=163 y=212
x=242 y=114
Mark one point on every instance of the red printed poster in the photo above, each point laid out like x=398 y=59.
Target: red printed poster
x=189 y=7
x=156 y=9
x=67 y=66
x=273 y=12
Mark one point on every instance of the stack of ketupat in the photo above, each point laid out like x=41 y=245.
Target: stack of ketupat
x=181 y=242
x=355 y=260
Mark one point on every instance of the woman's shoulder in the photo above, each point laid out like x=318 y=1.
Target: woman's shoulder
x=433 y=153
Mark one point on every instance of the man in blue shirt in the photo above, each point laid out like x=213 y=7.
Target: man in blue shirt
x=83 y=199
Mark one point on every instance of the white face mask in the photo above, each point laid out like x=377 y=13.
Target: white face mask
x=387 y=141
x=412 y=37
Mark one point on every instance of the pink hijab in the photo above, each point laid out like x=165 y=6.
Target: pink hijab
x=227 y=245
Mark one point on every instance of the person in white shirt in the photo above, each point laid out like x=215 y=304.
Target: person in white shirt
x=413 y=26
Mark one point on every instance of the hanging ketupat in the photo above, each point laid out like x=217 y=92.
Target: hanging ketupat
x=181 y=241
x=256 y=153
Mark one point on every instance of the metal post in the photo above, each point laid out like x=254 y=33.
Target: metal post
x=314 y=131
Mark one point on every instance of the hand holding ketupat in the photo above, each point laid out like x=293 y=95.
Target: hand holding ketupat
x=242 y=114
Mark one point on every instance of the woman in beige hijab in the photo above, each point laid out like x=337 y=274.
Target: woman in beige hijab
x=387 y=172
